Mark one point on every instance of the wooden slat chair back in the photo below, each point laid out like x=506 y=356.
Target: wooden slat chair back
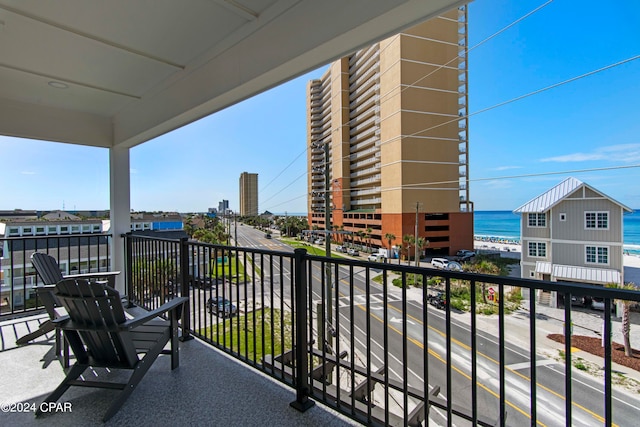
x=49 y=271
x=47 y=268
x=97 y=311
x=101 y=335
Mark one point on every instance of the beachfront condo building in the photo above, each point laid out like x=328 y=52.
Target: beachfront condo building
x=572 y=233
x=248 y=194
x=390 y=123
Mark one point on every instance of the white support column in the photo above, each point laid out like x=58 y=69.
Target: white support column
x=120 y=191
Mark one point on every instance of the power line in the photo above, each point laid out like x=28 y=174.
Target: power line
x=290 y=184
x=466 y=51
x=482 y=111
x=495 y=178
x=535 y=92
x=419 y=80
x=283 y=170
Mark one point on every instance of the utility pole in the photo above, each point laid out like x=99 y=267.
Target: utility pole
x=415 y=245
x=235 y=226
x=327 y=225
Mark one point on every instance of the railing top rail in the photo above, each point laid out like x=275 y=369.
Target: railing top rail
x=562 y=287
x=211 y=245
x=155 y=238
x=56 y=236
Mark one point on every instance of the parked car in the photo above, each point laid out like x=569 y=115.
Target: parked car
x=440 y=263
x=437 y=300
x=597 y=303
x=319 y=241
x=464 y=255
x=221 y=307
x=353 y=252
x=267 y=236
x=204 y=282
x=339 y=248
x=581 y=301
x=376 y=258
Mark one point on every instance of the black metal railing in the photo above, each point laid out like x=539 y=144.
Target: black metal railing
x=385 y=344
x=85 y=253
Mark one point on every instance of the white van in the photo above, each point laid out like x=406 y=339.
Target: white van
x=440 y=263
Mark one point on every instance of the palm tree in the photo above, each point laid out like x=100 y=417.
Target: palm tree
x=626 y=319
x=368 y=234
x=408 y=239
x=421 y=244
x=391 y=237
x=361 y=235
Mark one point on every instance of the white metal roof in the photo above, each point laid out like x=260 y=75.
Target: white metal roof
x=553 y=196
x=543 y=267
x=586 y=275
x=120 y=72
x=549 y=198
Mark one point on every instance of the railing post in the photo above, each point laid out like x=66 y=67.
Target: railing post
x=302 y=402
x=184 y=291
x=128 y=262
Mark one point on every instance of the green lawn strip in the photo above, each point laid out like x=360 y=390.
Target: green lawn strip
x=241 y=340
x=231 y=268
x=256 y=269
x=311 y=250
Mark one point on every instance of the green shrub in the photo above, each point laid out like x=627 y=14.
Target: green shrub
x=579 y=365
x=458 y=304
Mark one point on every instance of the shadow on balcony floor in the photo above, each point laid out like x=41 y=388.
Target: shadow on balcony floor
x=209 y=388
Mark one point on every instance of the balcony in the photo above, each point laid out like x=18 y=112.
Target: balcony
x=208 y=388
x=379 y=344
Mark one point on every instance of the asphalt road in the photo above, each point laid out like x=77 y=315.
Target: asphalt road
x=364 y=319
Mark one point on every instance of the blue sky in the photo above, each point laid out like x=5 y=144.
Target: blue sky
x=590 y=123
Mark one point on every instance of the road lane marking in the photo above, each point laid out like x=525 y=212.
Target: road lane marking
x=464 y=346
x=527 y=365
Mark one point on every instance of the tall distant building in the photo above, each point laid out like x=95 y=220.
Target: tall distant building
x=394 y=118
x=223 y=206
x=248 y=194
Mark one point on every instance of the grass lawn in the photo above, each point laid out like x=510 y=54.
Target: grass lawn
x=241 y=340
x=256 y=270
x=311 y=249
x=232 y=269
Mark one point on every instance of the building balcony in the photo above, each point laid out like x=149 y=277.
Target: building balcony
x=387 y=357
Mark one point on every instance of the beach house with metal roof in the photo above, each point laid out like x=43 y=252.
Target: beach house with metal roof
x=572 y=233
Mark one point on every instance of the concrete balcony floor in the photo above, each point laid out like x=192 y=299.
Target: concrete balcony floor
x=208 y=389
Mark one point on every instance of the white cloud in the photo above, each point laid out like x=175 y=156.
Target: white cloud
x=498 y=184
x=626 y=153
x=505 y=168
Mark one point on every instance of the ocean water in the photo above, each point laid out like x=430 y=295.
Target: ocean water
x=506 y=225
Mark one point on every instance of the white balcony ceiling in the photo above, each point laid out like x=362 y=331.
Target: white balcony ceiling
x=135 y=69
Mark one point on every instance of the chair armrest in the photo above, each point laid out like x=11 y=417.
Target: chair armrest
x=168 y=306
x=66 y=324
x=97 y=275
